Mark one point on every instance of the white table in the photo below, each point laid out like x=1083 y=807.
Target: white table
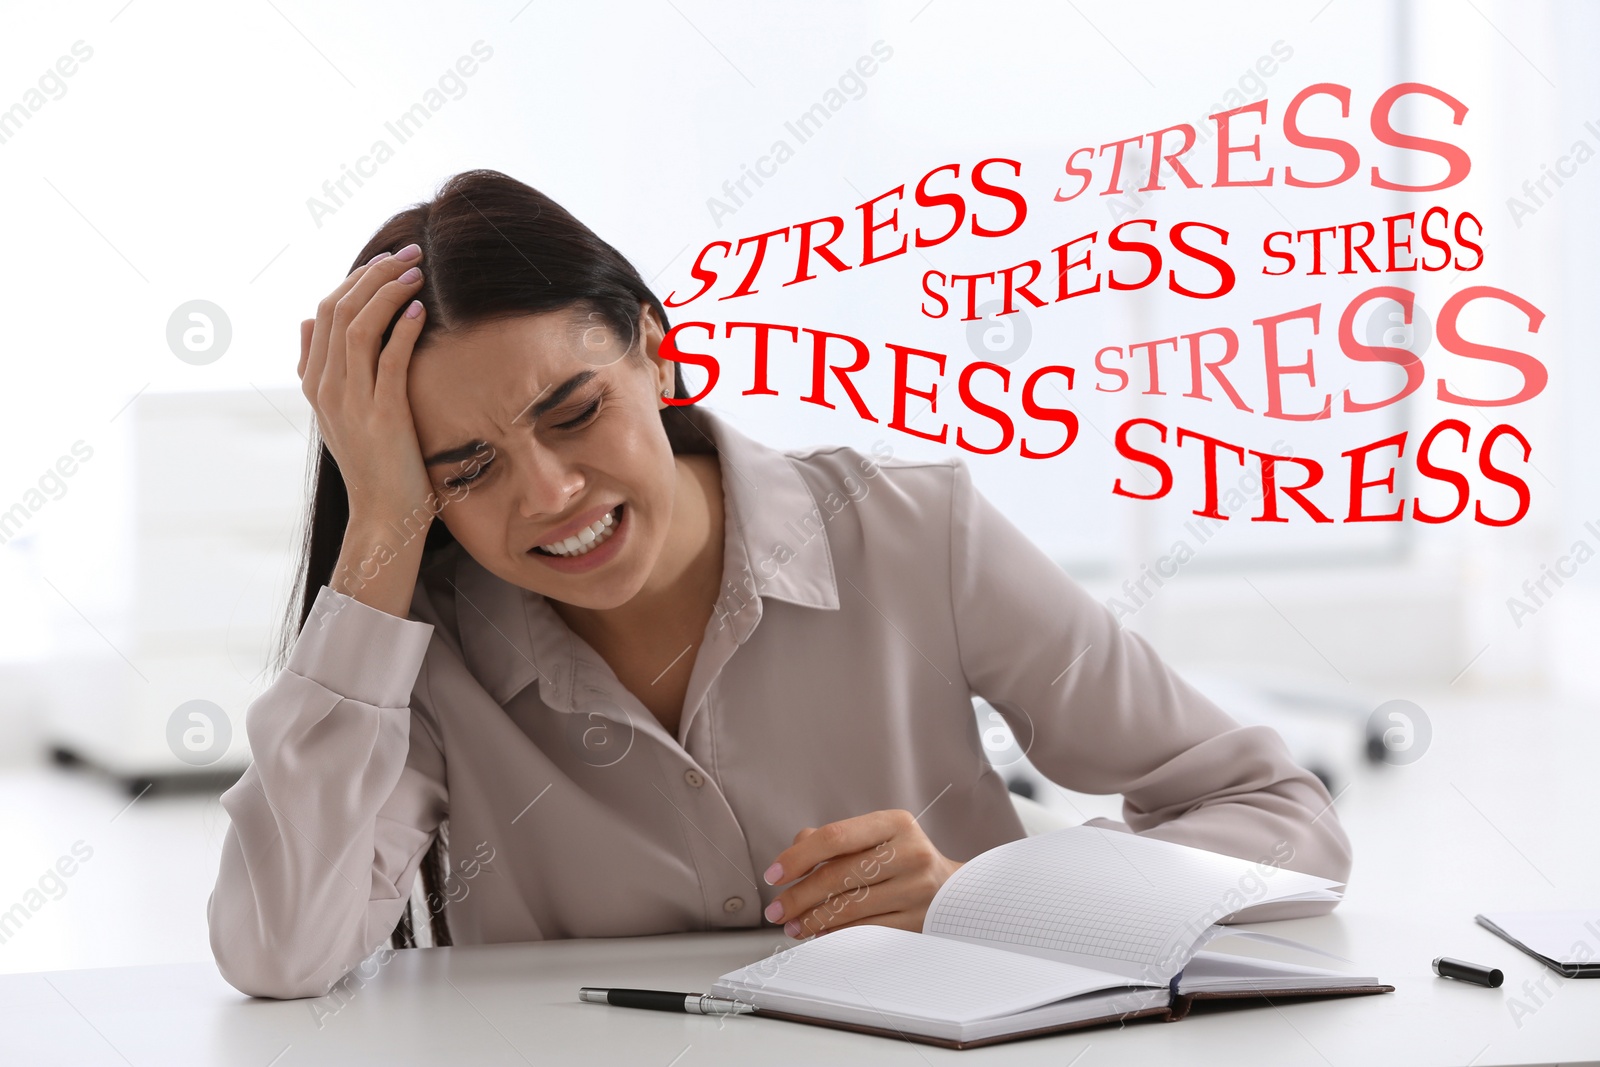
x=517 y=1004
x=1496 y=817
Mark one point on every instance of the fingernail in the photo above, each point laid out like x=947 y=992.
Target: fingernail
x=414 y=309
x=411 y=275
x=774 y=874
x=774 y=911
x=793 y=930
x=409 y=252
x=374 y=259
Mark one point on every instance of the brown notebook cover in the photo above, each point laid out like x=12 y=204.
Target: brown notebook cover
x=1179 y=1008
x=1185 y=1001
x=945 y=1042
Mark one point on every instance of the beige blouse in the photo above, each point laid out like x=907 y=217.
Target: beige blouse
x=867 y=601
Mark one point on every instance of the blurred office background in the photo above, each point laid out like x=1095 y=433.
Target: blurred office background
x=150 y=494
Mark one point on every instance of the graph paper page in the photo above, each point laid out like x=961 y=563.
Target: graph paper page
x=1106 y=899
x=907 y=975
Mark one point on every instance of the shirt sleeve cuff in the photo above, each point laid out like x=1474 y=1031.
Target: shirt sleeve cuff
x=360 y=652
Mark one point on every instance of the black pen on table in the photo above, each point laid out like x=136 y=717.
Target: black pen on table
x=661 y=1000
x=1462 y=971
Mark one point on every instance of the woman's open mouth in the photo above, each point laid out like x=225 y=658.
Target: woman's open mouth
x=586 y=544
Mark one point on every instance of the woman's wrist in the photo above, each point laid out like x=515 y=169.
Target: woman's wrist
x=379 y=562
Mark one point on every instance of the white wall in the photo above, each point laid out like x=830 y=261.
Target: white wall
x=178 y=164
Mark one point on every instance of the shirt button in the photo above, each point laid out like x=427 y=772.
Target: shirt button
x=696 y=779
x=732 y=904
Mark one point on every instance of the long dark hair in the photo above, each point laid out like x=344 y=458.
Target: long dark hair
x=492 y=247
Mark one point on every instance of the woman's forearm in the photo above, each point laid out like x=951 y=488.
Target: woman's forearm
x=331 y=819
x=379 y=561
x=1102 y=713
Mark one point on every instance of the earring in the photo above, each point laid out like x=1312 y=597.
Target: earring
x=666 y=394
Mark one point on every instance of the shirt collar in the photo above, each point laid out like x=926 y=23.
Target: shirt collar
x=775 y=545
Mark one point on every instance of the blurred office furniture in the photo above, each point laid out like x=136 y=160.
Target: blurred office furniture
x=189 y=577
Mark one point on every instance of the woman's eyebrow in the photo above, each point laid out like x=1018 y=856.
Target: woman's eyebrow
x=560 y=393
x=531 y=412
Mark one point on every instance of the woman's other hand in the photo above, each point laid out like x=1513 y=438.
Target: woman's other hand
x=877 y=869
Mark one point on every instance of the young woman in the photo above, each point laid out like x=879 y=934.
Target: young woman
x=656 y=675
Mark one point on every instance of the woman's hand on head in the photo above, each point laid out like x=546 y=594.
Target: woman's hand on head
x=359 y=393
x=876 y=869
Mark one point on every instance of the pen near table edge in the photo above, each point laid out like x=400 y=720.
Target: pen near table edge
x=692 y=1003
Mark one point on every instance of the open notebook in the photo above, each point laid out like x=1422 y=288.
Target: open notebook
x=1071 y=928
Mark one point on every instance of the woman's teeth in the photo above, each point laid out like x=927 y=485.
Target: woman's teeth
x=586 y=539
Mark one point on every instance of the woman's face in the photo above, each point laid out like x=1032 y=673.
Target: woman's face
x=542 y=436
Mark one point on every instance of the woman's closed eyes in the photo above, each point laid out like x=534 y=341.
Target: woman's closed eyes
x=578 y=421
